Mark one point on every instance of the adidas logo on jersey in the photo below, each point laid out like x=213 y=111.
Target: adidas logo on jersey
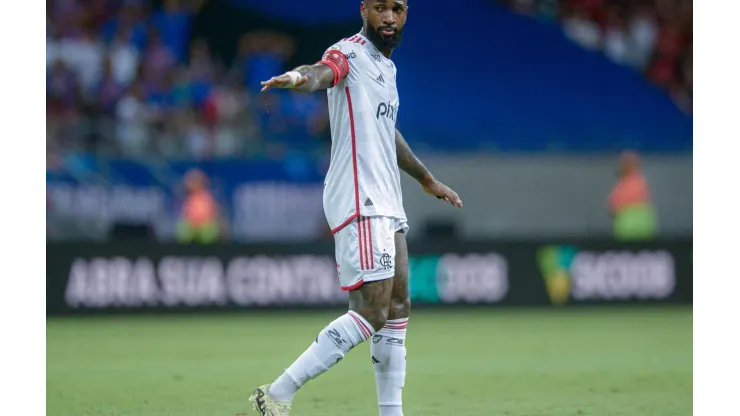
x=380 y=79
x=368 y=202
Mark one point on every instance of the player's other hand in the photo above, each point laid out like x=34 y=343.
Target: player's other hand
x=442 y=191
x=282 y=81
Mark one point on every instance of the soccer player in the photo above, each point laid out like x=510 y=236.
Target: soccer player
x=363 y=205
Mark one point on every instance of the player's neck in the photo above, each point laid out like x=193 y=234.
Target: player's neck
x=387 y=52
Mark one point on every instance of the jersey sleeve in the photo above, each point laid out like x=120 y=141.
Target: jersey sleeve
x=338 y=59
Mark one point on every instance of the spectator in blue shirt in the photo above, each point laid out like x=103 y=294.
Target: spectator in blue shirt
x=127 y=21
x=173 y=22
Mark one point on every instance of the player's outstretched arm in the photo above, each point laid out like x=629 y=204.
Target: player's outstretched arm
x=305 y=78
x=409 y=163
x=332 y=68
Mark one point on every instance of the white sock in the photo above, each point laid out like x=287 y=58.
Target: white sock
x=340 y=336
x=388 y=353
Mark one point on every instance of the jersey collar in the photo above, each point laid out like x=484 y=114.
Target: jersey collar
x=371 y=46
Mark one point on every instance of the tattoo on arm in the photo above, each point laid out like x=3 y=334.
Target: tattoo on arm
x=409 y=163
x=332 y=68
x=320 y=77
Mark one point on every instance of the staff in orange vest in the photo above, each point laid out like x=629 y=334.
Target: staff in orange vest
x=630 y=202
x=199 y=219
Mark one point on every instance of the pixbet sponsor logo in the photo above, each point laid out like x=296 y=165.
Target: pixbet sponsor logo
x=386 y=109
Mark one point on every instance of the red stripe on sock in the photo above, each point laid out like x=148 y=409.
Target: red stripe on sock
x=395 y=327
x=365 y=331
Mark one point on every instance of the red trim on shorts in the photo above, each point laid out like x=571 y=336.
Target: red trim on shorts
x=354 y=165
x=344 y=224
x=354 y=150
x=365 y=330
x=354 y=286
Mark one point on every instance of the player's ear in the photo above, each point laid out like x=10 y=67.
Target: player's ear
x=363 y=10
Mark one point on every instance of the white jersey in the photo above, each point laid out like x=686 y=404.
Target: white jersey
x=363 y=178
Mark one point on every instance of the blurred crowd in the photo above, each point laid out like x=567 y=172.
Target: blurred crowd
x=133 y=78
x=651 y=36
x=126 y=77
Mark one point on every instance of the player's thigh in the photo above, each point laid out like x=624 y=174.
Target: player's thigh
x=366 y=251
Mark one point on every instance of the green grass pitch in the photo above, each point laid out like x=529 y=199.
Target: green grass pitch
x=577 y=362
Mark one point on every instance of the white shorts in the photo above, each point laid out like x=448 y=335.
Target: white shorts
x=366 y=250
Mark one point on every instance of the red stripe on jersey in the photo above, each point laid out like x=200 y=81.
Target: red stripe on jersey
x=390 y=325
x=354 y=167
x=363 y=42
x=354 y=150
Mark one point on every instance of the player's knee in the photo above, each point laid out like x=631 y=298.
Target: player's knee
x=377 y=317
x=400 y=307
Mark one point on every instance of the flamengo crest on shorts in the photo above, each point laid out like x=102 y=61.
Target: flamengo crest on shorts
x=366 y=251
